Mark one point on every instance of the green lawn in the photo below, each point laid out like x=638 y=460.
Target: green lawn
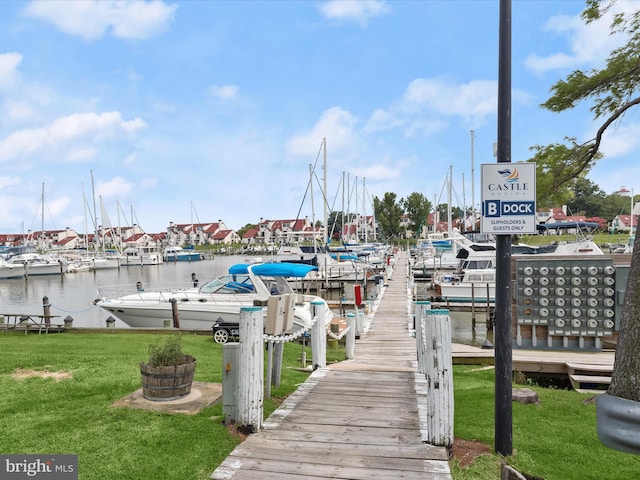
x=75 y=416
x=555 y=440
x=601 y=239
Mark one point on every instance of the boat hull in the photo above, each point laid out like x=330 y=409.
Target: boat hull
x=192 y=317
x=200 y=317
x=104 y=263
x=184 y=257
x=467 y=292
x=12 y=272
x=49 y=269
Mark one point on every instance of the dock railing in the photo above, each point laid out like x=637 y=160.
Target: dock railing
x=433 y=345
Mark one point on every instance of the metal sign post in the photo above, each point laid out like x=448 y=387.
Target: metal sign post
x=502 y=336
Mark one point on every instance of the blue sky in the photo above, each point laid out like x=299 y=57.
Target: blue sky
x=214 y=110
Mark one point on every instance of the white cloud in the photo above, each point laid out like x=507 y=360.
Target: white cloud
x=18 y=112
x=64 y=130
x=588 y=44
x=381 y=120
x=82 y=154
x=9 y=63
x=425 y=127
x=130 y=159
x=9 y=181
x=335 y=124
x=148 y=183
x=359 y=11
x=378 y=172
x=428 y=103
x=226 y=91
x=116 y=187
x=91 y=19
x=475 y=100
x=57 y=206
x=621 y=141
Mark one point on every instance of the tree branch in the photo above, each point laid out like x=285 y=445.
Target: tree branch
x=614 y=116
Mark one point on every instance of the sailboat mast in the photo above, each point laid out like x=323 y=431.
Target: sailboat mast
x=357 y=215
x=326 y=215
x=473 y=200
x=449 y=186
x=464 y=206
x=95 y=214
x=343 y=212
x=42 y=222
x=364 y=207
x=313 y=211
x=84 y=209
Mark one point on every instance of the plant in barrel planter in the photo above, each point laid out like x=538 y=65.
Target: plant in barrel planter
x=168 y=374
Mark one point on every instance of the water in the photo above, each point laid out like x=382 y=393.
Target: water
x=463 y=331
x=73 y=294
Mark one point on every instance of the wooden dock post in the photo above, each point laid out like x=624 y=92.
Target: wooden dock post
x=350 y=339
x=439 y=374
x=174 y=312
x=278 y=354
x=269 y=381
x=250 y=380
x=473 y=307
x=421 y=309
x=318 y=335
x=46 y=308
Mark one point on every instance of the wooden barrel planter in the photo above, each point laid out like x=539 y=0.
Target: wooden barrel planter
x=170 y=382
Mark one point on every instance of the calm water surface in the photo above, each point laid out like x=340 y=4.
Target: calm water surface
x=73 y=293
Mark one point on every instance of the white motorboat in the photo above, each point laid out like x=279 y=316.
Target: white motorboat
x=104 y=262
x=11 y=270
x=219 y=300
x=141 y=256
x=178 y=254
x=36 y=264
x=474 y=279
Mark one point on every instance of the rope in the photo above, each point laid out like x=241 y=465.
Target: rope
x=338 y=337
x=74 y=311
x=291 y=336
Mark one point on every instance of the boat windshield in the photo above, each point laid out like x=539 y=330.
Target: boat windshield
x=229 y=284
x=277 y=285
x=477 y=264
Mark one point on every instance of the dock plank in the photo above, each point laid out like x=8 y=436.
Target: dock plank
x=357 y=419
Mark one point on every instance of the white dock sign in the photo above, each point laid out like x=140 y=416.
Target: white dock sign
x=508 y=198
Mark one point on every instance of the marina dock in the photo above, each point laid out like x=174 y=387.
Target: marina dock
x=358 y=419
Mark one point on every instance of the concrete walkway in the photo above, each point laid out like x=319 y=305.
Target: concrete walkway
x=358 y=419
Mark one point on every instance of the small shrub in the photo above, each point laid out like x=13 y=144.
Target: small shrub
x=166 y=353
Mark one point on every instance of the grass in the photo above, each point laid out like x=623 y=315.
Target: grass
x=555 y=440
x=600 y=239
x=74 y=415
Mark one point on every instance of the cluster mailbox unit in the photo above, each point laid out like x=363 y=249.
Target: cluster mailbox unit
x=568 y=303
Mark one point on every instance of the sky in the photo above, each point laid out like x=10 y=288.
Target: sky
x=199 y=111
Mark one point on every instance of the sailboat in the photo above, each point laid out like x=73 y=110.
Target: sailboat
x=103 y=260
x=40 y=262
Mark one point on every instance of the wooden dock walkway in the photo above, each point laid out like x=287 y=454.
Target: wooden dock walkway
x=359 y=419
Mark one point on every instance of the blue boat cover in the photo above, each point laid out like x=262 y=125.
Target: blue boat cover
x=282 y=269
x=343 y=257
